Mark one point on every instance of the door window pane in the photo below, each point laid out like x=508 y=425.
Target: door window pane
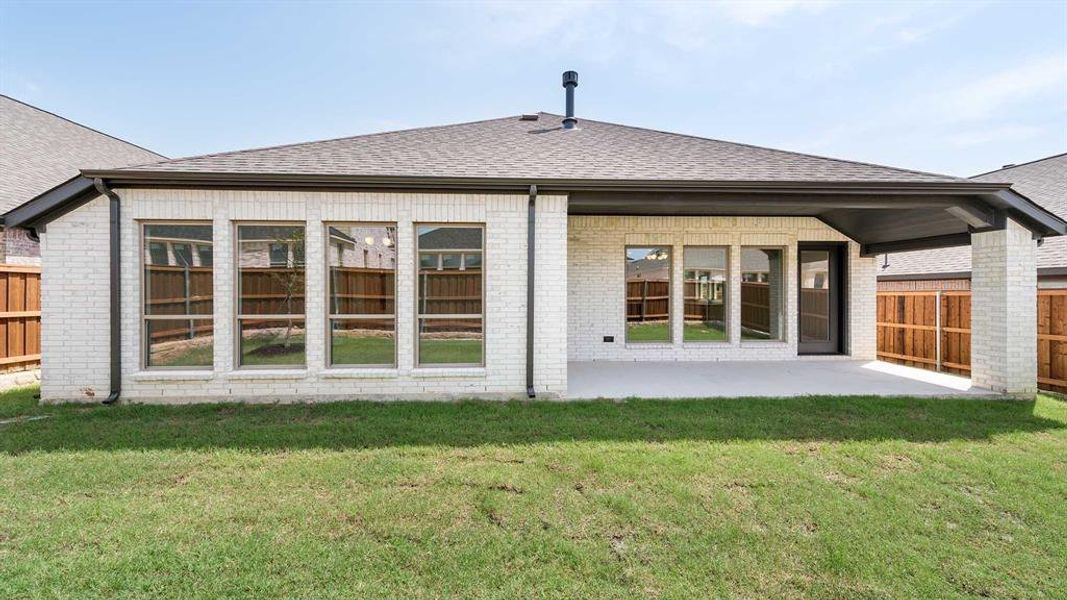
x=814 y=295
x=705 y=272
x=648 y=294
x=762 y=293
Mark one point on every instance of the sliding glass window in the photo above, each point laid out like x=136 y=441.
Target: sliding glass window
x=361 y=305
x=762 y=293
x=270 y=295
x=706 y=280
x=450 y=303
x=648 y=294
x=178 y=296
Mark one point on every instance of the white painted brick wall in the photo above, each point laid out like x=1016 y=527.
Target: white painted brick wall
x=75 y=338
x=75 y=305
x=596 y=283
x=1004 y=310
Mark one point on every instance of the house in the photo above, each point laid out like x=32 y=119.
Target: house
x=1044 y=181
x=40 y=150
x=486 y=259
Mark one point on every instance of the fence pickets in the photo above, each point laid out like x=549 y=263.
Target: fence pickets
x=932 y=330
x=20 y=317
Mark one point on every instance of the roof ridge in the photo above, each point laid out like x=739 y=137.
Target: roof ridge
x=1008 y=168
x=768 y=148
x=83 y=126
x=323 y=141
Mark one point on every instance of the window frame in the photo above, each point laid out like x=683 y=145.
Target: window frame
x=726 y=302
x=145 y=344
x=415 y=308
x=237 y=317
x=783 y=311
x=330 y=317
x=670 y=296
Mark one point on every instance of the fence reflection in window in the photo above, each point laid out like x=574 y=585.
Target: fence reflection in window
x=361 y=302
x=178 y=327
x=648 y=294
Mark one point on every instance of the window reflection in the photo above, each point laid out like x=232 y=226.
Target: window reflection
x=178 y=296
x=362 y=294
x=270 y=306
x=449 y=295
x=648 y=294
x=706 y=281
x=762 y=293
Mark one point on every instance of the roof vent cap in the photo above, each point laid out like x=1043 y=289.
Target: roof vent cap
x=1008 y=166
x=570 y=81
x=528 y=117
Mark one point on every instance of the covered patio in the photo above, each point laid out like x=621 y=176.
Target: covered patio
x=788 y=378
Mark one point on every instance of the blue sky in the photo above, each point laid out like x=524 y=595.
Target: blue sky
x=953 y=87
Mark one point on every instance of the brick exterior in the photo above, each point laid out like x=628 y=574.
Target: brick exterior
x=596 y=304
x=16 y=247
x=1004 y=310
x=578 y=297
x=75 y=337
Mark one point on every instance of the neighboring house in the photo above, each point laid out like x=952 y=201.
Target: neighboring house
x=1044 y=181
x=522 y=245
x=39 y=151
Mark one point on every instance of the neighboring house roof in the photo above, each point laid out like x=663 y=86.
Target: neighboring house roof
x=517 y=148
x=40 y=150
x=1044 y=181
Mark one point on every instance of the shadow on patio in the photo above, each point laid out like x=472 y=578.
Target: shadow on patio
x=359 y=425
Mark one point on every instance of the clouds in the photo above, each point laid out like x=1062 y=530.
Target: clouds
x=988 y=95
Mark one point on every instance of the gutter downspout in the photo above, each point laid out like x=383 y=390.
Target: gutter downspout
x=531 y=228
x=116 y=296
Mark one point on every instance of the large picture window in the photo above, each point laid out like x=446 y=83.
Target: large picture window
x=361 y=305
x=450 y=302
x=705 y=283
x=648 y=294
x=762 y=293
x=270 y=295
x=178 y=296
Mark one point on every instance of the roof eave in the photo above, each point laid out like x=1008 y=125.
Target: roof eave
x=161 y=178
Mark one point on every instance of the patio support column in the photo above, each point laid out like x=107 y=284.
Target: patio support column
x=1004 y=310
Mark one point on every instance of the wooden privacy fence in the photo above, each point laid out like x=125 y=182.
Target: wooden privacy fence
x=20 y=317
x=932 y=330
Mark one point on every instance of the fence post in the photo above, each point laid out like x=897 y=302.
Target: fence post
x=937 y=327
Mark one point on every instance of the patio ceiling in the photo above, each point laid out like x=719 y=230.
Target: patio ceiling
x=894 y=220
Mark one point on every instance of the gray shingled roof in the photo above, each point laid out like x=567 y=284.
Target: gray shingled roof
x=39 y=150
x=1043 y=181
x=511 y=148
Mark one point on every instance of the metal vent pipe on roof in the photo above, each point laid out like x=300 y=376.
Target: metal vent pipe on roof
x=570 y=81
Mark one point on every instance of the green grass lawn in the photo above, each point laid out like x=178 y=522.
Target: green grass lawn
x=648 y=332
x=806 y=497
x=703 y=332
x=450 y=351
x=345 y=351
x=363 y=350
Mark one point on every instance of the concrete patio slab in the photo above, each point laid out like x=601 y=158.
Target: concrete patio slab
x=760 y=378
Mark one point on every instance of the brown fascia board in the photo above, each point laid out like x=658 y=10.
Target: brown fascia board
x=998 y=195
x=161 y=178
